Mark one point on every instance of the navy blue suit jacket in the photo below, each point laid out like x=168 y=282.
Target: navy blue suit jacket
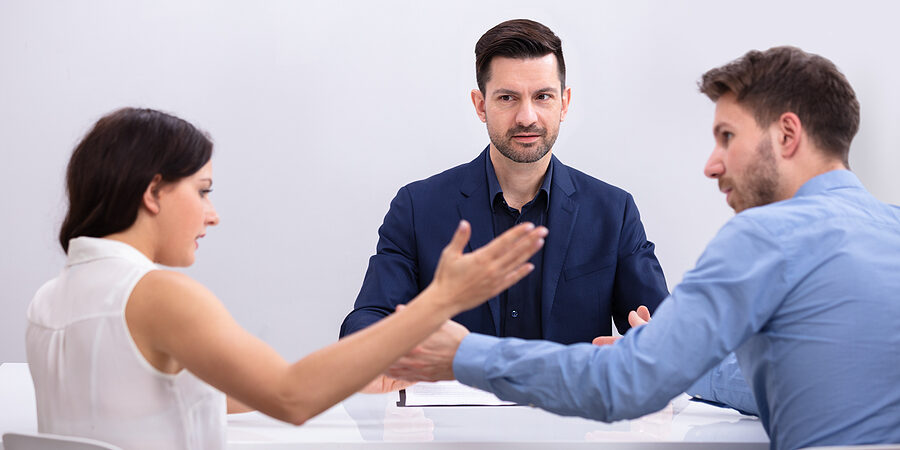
x=597 y=261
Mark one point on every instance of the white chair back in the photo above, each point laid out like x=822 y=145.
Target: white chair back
x=19 y=441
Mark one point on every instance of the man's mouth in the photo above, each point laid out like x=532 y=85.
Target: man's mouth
x=526 y=138
x=727 y=190
x=526 y=133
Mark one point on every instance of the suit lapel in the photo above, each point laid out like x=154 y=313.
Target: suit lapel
x=474 y=206
x=561 y=223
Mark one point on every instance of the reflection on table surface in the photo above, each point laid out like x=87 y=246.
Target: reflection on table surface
x=367 y=420
x=375 y=421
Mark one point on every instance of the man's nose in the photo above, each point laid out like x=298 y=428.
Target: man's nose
x=526 y=115
x=714 y=166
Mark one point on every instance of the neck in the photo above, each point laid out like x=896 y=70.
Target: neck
x=808 y=172
x=520 y=181
x=138 y=236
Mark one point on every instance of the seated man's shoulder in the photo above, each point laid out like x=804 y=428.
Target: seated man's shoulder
x=589 y=187
x=441 y=182
x=786 y=217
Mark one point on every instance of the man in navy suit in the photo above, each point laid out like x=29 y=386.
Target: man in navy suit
x=596 y=263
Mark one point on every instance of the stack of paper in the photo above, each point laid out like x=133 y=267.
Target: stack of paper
x=447 y=393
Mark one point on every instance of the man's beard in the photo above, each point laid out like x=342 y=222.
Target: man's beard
x=532 y=152
x=761 y=182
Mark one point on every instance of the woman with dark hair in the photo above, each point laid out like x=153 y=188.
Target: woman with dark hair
x=127 y=353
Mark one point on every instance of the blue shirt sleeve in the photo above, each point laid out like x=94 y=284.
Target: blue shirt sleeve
x=725 y=385
x=731 y=293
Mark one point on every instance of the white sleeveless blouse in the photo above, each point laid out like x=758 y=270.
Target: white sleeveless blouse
x=89 y=377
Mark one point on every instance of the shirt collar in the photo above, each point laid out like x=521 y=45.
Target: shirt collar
x=85 y=249
x=494 y=184
x=835 y=179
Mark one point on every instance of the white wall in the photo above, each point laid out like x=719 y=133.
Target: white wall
x=321 y=110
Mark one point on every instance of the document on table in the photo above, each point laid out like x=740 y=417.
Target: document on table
x=448 y=393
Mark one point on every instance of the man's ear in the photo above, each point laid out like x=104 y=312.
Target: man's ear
x=150 y=198
x=566 y=99
x=790 y=133
x=478 y=102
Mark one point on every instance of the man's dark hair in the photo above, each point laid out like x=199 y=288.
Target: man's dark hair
x=113 y=165
x=519 y=39
x=787 y=79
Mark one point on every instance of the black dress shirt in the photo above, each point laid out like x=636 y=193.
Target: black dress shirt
x=520 y=305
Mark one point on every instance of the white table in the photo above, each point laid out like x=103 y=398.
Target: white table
x=375 y=422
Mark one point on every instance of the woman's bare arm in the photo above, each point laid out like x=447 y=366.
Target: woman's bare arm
x=178 y=323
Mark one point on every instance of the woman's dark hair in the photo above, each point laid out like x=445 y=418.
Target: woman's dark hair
x=112 y=166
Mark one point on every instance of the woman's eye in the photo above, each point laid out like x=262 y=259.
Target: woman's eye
x=205 y=192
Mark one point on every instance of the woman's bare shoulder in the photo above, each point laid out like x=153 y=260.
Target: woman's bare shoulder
x=166 y=289
x=166 y=282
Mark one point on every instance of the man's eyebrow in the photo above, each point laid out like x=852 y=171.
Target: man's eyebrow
x=548 y=89
x=544 y=90
x=505 y=92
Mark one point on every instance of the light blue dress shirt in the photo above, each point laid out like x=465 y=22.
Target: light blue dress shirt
x=726 y=386
x=805 y=291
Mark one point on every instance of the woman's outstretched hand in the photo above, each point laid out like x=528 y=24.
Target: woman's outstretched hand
x=467 y=280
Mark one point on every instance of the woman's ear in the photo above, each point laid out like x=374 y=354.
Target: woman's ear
x=151 y=195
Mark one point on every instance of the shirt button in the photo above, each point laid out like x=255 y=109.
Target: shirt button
x=514 y=313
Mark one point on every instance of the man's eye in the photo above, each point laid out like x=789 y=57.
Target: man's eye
x=543 y=97
x=505 y=98
x=727 y=136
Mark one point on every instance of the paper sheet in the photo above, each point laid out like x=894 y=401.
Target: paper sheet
x=447 y=393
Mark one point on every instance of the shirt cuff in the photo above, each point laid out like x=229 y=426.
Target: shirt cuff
x=470 y=359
